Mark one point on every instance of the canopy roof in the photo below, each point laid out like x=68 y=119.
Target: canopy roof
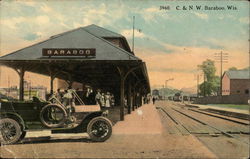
x=78 y=38
x=101 y=70
x=101 y=32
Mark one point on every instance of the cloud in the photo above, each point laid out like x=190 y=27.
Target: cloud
x=52 y=13
x=152 y=14
x=42 y=19
x=129 y=32
x=46 y=9
x=201 y=15
x=27 y=3
x=12 y=22
x=152 y=10
x=31 y=36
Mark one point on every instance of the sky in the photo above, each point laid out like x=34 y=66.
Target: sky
x=172 y=42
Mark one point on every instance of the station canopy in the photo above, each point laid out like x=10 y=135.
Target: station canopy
x=90 y=55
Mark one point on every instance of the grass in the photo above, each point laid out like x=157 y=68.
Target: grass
x=234 y=106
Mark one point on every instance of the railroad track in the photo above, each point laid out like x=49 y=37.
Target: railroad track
x=221 y=117
x=201 y=122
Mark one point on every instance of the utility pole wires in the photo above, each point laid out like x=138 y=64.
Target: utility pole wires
x=133 y=38
x=221 y=58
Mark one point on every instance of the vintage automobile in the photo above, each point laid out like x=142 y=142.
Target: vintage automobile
x=18 y=117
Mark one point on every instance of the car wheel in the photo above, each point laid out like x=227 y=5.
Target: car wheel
x=99 y=129
x=10 y=131
x=53 y=116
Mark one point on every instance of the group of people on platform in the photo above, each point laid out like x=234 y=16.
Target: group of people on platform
x=105 y=99
x=67 y=97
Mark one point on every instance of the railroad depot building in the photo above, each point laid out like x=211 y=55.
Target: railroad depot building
x=90 y=56
x=236 y=82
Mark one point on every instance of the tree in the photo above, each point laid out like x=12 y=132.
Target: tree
x=208 y=69
x=232 y=69
x=246 y=69
x=212 y=83
x=211 y=87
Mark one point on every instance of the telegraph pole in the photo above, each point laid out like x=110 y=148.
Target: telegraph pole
x=204 y=87
x=0 y=76
x=222 y=58
x=0 y=73
x=133 y=38
x=198 y=85
x=8 y=86
x=198 y=77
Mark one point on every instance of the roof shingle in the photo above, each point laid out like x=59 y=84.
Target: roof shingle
x=238 y=74
x=77 y=38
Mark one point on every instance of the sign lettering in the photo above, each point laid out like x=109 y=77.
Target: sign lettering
x=89 y=52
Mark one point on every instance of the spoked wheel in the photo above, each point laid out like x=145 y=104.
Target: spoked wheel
x=53 y=115
x=99 y=129
x=10 y=131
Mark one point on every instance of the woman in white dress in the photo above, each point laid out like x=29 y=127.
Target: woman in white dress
x=103 y=100
x=107 y=100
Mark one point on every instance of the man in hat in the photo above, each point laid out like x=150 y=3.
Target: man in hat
x=98 y=97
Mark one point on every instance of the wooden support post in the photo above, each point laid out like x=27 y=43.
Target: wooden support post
x=122 y=97
x=21 y=84
x=133 y=101
x=52 y=77
x=83 y=86
x=53 y=74
x=21 y=73
x=51 y=84
x=141 y=97
x=129 y=97
x=136 y=100
x=69 y=80
x=123 y=75
x=122 y=83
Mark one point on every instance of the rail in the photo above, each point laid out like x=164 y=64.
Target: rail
x=202 y=122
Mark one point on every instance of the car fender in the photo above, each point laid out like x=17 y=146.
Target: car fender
x=82 y=127
x=14 y=116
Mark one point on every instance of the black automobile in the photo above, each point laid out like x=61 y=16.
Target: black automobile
x=18 y=117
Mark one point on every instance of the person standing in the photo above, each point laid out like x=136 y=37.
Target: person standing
x=58 y=94
x=67 y=97
x=107 y=100
x=98 y=97
x=91 y=97
x=103 y=100
x=154 y=99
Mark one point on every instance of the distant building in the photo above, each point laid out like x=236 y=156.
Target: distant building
x=29 y=91
x=155 y=92
x=235 y=82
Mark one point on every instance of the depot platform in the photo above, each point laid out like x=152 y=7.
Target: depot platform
x=144 y=120
x=236 y=113
x=220 y=108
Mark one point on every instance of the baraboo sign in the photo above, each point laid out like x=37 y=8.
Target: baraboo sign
x=69 y=52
